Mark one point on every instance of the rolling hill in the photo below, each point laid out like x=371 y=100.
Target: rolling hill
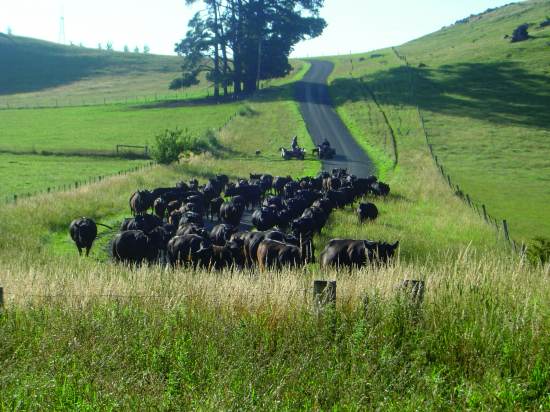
x=37 y=73
x=484 y=101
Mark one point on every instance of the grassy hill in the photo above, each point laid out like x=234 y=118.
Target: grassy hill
x=40 y=73
x=485 y=104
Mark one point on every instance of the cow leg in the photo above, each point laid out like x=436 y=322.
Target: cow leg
x=88 y=251
x=79 y=250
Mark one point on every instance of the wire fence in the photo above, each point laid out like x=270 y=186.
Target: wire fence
x=14 y=198
x=73 y=185
x=500 y=225
x=379 y=107
x=61 y=102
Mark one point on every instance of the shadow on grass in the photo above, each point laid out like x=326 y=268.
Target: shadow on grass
x=502 y=93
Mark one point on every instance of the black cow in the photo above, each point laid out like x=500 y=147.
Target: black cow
x=380 y=189
x=191 y=217
x=145 y=223
x=231 y=213
x=192 y=229
x=159 y=206
x=367 y=211
x=83 y=231
x=214 y=209
x=350 y=253
x=140 y=202
x=229 y=255
x=279 y=183
x=220 y=234
x=264 y=218
x=134 y=246
x=190 y=249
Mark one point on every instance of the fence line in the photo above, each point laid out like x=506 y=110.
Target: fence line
x=384 y=116
x=78 y=183
x=83 y=102
x=500 y=226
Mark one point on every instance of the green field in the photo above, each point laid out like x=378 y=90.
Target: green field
x=101 y=128
x=485 y=104
x=87 y=334
x=28 y=174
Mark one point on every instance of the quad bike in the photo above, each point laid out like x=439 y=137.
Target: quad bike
x=324 y=151
x=297 y=153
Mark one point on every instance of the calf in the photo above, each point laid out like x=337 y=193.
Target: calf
x=367 y=211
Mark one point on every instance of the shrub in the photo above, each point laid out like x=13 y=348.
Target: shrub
x=169 y=145
x=539 y=250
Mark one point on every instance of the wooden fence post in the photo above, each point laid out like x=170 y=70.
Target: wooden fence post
x=324 y=293
x=449 y=180
x=484 y=212
x=468 y=200
x=1 y=297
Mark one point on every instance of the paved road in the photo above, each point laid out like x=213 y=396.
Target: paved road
x=322 y=122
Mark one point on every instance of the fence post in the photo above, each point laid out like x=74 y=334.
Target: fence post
x=468 y=200
x=324 y=293
x=484 y=212
x=505 y=227
x=449 y=180
x=1 y=298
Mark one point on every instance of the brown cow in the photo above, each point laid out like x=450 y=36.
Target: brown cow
x=276 y=255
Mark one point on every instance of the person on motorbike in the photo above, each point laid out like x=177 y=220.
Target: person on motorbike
x=294 y=143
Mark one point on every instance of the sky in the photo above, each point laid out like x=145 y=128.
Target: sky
x=353 y=25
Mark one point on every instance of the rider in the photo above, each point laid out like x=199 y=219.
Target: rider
x=294 y=143
x=325 y=143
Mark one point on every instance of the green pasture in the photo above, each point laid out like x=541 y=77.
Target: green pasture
x=484 y=102
x=29 y=174
x=101 y=128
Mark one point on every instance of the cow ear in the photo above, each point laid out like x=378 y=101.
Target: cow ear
x=396 y=244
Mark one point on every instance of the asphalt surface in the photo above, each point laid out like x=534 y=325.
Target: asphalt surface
x=323 y=122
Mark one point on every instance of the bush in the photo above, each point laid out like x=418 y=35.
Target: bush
x=169 y=145
x=539 y=250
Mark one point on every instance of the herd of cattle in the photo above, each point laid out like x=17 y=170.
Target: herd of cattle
x=286 y=214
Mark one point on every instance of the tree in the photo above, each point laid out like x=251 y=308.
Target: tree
x=136 y=49
x=126 y=49
x=10 y=32
x=146 y=49
x=109 y=46
x=245 y=41
x=99 y=46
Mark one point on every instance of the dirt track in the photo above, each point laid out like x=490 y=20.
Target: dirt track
x=322 y=122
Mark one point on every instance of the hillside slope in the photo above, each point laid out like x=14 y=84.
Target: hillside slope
x=35 y=71
x=485 y=103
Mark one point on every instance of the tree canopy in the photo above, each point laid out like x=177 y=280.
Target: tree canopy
x=241 y=42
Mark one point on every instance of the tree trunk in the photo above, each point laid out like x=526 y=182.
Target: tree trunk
x=216 y=54
x=223 y=44
x=237 y=64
